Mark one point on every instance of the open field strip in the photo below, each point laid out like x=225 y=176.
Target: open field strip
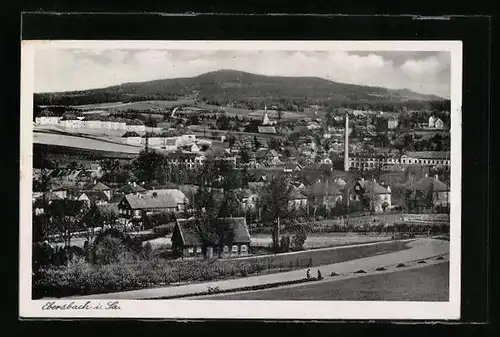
x=83 y=143
x=419 y=249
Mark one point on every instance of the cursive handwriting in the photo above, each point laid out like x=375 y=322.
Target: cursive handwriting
x=88 y=305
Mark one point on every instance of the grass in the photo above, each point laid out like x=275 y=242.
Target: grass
x=324 y=257
x=141 y=105
x=83 y=143
x=429 y=283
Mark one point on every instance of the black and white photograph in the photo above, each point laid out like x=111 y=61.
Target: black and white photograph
x=241 y=179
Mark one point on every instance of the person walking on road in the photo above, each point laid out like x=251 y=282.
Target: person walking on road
x=308 y=274
x=320 y=277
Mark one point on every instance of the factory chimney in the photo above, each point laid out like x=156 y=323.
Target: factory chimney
x=346 y=143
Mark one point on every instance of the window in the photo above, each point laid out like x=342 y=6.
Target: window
x=190 y=250
x=226 y=249
x=243 y=248
x=235 y=249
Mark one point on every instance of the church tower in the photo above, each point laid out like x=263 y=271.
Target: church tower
x=265 y=120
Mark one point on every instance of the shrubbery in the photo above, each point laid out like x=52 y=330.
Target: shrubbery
x=81 y=277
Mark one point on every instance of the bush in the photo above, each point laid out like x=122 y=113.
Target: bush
x=285 y=243
x=299 y=239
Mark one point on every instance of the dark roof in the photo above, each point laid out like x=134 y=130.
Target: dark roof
x=131 y=134
x=151 y=202
x=321 y=189
x=96 y=187
x=131 y=188
x=190 y=236
x=430 y=184
x=376 y=187
x=96 y=195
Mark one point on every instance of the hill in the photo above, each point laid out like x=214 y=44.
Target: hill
x=229 y=86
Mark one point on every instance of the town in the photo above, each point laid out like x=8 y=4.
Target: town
x=237 y=183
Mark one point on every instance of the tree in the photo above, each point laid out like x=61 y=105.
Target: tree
x=245 y=156
x=149 y=165
x=275 y=204
x=66 y=218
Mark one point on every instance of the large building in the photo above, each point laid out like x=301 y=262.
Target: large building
x=425 y=158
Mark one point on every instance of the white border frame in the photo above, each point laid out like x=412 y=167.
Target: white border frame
x=206 y=309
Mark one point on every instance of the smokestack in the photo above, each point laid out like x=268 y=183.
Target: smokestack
x=436 y=177
x=346 y=143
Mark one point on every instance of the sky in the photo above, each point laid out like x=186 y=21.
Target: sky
x=426 y=72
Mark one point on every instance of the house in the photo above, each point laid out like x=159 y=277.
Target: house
x=392 y=123
x=191 y=148
x=179 y=197
x=292 y=167
x=432 y=122
x=186 y=241
x=296 y=199
x=96 y=187
x=430 y=189
x=132 y=138
x=438 y=124
x=131 y=188
x=249 y=200
x=267 y=129
x=380 y=196
x=326 y=193
x=136 y=206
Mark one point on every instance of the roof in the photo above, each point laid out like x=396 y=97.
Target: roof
x=295 y=194
x=96 y=195
x=96 y=187
x=151 y=202
x=267 y=129
x=273 y=153
x=292 y=166
x=50 y=196
x=321 y=189
x=430 y=184
x=176 y=194
x=376 y=187
x=131 y=188
x=189 y=236
x=429 y=154
x=131 y=134
x=261 y=153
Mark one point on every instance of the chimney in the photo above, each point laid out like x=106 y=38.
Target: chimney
x=346 y=143
x=95 y=181
x=388 y=188
x=362 y=179
x=426 y=175
x=374 y=180
x=436 y=177
x=134 y=184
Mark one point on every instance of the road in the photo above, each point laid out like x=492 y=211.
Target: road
x=426 y=282
x=419 y=249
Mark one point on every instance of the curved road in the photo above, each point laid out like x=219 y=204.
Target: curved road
x=419 y=249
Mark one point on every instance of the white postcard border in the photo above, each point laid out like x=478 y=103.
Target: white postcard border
x=206 y=309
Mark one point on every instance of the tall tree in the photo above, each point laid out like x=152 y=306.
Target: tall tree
x=275 y=204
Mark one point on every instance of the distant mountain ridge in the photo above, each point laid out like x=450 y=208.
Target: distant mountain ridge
x=232 y=85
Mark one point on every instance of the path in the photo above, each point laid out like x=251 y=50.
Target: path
x=420 y=249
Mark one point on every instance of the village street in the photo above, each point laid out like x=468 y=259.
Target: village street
x=419 y=249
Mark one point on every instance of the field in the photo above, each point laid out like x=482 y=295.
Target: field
x=83 y=143
x=141 y=105
x=421 y=284
x=257 y=114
